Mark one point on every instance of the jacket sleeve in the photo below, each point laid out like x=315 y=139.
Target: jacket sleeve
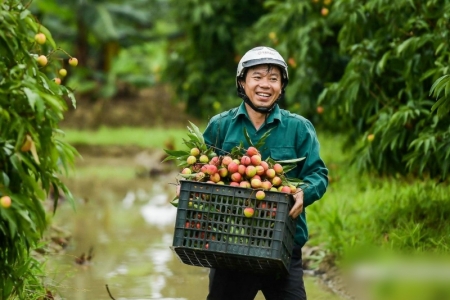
x=313 y=173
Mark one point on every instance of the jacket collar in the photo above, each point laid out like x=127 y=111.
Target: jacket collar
x=275 y=114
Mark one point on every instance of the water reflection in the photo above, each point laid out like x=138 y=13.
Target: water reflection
x=159 y=212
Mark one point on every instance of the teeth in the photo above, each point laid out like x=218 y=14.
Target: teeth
x=264 y=95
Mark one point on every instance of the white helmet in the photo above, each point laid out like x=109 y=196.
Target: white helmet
x=260 y=56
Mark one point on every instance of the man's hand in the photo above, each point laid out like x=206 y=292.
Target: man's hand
x=297 y=209
x=178 y=190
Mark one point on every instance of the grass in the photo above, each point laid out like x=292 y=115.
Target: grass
x=105 y=172
x=365 y=217
x=142 y=137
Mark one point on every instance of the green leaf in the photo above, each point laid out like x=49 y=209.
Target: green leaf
x=187 y=176
x=297 y=181
x=5 y=179
x=439 y=48
x=71 y=96
x=68 y=194
x=438 y=103
x=31 y=23
x=55 y=197
x=190 y=143
x=262 y=140
x=447 y=89
x=435 y=91
x=288 y=168
x=443 y=110
x=176 y=152
x=403 y=46
x=382 y=63
x=193 y=137
x=8 y=215
x=247 y=137
x=24 y=14
x=103 y=25
x=270 y=161
x=289 y=161
x=32 y=96
x=175 y=201
x=428 y=73
x=170 y=157
x=197 y=132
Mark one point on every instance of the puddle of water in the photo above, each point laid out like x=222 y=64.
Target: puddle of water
x=128 y=222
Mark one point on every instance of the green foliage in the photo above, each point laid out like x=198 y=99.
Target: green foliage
x=101 y=33
x=195 y=140
x=203 y=61
x=31 y=155
x=308 y=42
x=442 y=106
x=396 y=49
x=204 y=76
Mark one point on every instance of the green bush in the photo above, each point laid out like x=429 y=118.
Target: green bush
x=397 y=50
x=31 y=155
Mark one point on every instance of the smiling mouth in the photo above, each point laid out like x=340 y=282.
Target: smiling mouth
x=265 y=95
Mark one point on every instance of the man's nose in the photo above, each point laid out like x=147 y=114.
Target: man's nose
x=264 y=82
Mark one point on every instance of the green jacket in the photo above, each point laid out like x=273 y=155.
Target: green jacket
x=293 y=137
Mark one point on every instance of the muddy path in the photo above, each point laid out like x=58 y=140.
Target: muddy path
x=144 y=108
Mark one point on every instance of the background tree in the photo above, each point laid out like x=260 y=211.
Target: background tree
x=32 y=154
x=97 y=32
x=397 y=50
x=305 y=35
x=203 y=60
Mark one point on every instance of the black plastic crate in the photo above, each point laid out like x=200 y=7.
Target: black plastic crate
x=212 y=231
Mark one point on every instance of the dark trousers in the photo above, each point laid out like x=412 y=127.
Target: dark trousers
x=232 y=285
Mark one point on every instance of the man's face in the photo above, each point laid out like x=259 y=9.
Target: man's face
x=262 y=85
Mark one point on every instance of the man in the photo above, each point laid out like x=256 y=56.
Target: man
x=261 y=79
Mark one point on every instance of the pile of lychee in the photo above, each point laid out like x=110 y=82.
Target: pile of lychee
x=247 y=171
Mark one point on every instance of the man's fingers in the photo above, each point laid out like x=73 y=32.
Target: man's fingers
x=178 y=190
x=296 y=210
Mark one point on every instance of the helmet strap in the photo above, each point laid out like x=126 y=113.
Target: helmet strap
x=262 y=110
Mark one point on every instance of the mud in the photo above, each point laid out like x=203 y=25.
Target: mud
x=144 y=108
